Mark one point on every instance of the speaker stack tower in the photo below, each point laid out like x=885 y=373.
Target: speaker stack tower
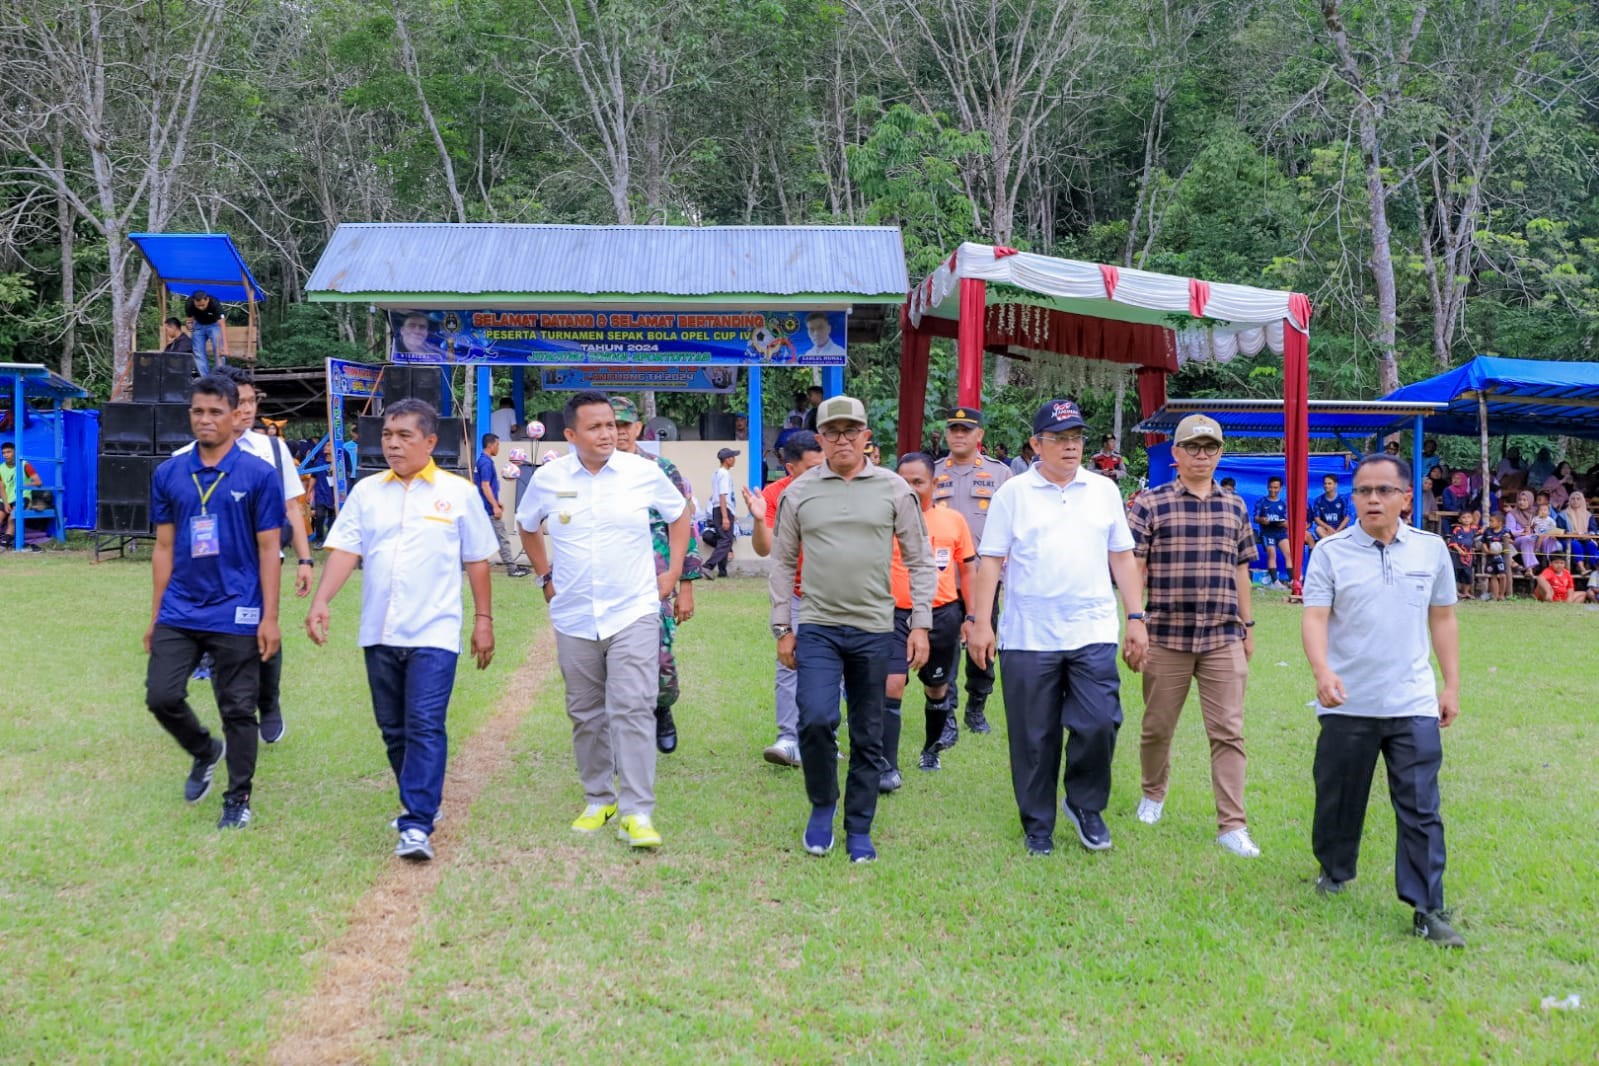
x=135 y=438
x=424 y=383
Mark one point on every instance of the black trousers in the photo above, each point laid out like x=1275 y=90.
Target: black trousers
x=236 y=679
x=1346 y=758
x=724 y=543
x=980 y=679
x=824 y=656
x=271 y=685
x=1051 y=695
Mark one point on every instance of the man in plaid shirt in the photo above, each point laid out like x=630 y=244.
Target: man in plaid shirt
x=1194 y=545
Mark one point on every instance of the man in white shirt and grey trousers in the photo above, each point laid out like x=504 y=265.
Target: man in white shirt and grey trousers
x=605 y=602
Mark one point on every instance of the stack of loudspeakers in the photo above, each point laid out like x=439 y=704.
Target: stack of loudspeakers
x=408 y=383
x=137 y=437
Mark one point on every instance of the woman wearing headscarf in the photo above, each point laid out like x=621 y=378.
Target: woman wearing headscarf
x=1518 y=523
x=1576 y=519
x=1457 y=497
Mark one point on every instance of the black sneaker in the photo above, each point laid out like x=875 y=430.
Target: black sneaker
x=518 y=571
x=665 y=731
x=1326 y=886
x=1434 y=926
x=272 y=728
x=1091 y=829
x=976 y=720
x=199 y=782
x=889 y=781
x=234 y=815
x=930 y=760
x=1039 y=847
x=951 y=734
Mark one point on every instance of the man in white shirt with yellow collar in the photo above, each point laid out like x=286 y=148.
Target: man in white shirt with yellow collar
x=413 y=529
x=605 y=601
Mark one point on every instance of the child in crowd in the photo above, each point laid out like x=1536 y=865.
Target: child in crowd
x=1463 y=547
x=1544 y=527
x=1497 y=546
x=1556 y=585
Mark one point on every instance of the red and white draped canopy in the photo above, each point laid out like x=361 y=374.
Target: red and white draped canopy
x=1156 y=322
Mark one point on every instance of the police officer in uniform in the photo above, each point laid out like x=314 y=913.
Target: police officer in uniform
x=966 y=480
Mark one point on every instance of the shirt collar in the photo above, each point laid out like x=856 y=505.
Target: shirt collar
x=1041 y=482
x=197 y=464
x=870 y=470
x=1366 y=540
x=426 y=473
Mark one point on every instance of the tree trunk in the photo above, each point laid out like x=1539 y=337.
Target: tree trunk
x=65 y=222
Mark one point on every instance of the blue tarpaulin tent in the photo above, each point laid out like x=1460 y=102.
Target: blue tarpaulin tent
x=189 y=262
x=1536 y=397
x=58 y=445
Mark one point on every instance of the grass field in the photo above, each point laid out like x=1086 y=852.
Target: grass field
x=131 y=930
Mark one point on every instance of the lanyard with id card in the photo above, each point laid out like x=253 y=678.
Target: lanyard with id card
x=204 y=539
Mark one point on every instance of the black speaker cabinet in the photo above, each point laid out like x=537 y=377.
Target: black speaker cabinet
x=554 y=425
x=161 y=377
x=368 y=469
x=369 y=441
x=172 y=430
x=716 y=425
x=447 y=452
x=424 y=383
x=123 y=494
x=127 y=429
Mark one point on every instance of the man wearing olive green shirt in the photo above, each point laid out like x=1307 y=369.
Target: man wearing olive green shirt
x=846 y=515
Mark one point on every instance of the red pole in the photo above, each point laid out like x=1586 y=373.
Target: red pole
x=969 y=340
x=1296 y=441
x=914 y=347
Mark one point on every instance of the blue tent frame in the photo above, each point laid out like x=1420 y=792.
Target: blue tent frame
x=1494 y=395
x=29 y=383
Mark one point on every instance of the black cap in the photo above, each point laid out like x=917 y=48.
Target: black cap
x=726 y=453
x=1057 y=416
x=964 y=416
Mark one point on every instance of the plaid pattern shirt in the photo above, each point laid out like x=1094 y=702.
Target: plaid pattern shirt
x=1192 y=548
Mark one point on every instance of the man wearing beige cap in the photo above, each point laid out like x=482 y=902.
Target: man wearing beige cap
x=1194 y=546
x=846 y=516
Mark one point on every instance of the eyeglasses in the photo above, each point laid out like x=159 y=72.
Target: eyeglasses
x=1387 y=492
x=1061 y=438
x=835 y=435
x=1196 y=449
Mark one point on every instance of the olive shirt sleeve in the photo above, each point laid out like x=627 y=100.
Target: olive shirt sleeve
x=785 y=559
x=914 y=550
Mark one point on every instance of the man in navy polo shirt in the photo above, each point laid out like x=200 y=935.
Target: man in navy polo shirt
x=486 y=479
x=218 y=513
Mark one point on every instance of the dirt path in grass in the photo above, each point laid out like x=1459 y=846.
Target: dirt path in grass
x=337 y=1021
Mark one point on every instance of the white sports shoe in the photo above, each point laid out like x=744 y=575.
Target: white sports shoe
x=1237 y=841
x=1149 y=811
x=782 y=753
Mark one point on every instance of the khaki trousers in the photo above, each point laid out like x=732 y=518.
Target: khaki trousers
x=1222 y=675
x=611 y=686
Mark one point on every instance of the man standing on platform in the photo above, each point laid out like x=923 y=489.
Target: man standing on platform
x=679 y=607
x=966 y=480
x=846 y=515
x=218 y=515
x=800 y=453
x=1062 y=533
x=412 y=530
x=1195 y=547
x=486 y=479
x=1379 y=600
x=605 y=604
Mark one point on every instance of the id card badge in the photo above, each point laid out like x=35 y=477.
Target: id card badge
x=203 y=539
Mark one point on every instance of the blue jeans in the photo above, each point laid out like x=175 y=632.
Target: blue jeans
x=410 y=696
x=201 y=333
x=825 y=655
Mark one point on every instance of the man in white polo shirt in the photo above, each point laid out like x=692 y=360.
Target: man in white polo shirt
x=605 y=604
x=412 y=529
x=1060 y=533
x=1379 y=599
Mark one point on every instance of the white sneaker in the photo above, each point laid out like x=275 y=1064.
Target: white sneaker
x=1149 y=811
x=413 y=844
x=1237 y=841
x=783 y=753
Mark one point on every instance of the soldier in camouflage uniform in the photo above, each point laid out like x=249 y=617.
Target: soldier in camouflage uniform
x=679 y=608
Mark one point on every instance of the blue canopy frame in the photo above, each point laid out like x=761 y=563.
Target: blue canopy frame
x=1536 y=397
x=27 y=383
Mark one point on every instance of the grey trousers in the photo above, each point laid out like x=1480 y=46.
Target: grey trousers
x=611 y=685
x=786 y=689
x=507 y=553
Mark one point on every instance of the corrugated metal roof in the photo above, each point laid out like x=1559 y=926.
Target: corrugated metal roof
x=401 y=258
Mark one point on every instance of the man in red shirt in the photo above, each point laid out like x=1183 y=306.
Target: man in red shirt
x=955 y=556
x=800 y=452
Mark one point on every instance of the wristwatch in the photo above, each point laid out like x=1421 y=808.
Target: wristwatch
x=779 y=632
x=544 y=578
x=971 y=618
x=307 y=562
x=1135 y=616
x=1249 y=624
